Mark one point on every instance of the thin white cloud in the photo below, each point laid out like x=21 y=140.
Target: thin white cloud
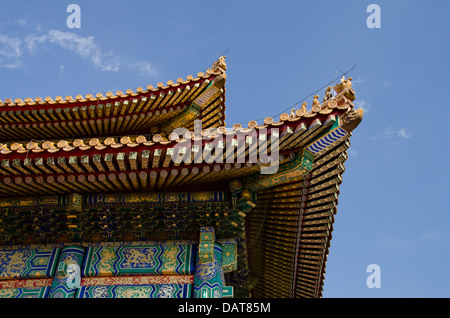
x=352 y=152
x=143 y=67
x=358 y=80
x=10 y=52
x=61 y=70
x=402 y=133
x=22 y=22
x=391 y=133
x=88 y=49
x=388 y=84
x=85 y=47
x=362 y=104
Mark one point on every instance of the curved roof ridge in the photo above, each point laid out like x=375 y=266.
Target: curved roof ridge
x=218 y=68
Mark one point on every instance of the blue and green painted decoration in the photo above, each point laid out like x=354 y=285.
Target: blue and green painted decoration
x=58 y=271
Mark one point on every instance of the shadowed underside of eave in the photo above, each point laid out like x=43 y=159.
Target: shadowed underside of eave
x=289 y=230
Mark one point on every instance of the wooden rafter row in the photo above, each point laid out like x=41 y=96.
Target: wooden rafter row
x=274 y=231
x=82 y=176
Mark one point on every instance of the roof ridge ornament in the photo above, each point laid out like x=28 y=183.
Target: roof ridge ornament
x=220 y=65
x=351 y=119
x=345 y=87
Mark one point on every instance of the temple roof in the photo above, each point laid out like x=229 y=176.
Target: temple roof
x=144 y=110
x=135 y=186
x=139 y=162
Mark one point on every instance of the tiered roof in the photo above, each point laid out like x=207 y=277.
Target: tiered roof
x=110 y=149
x=141 y=110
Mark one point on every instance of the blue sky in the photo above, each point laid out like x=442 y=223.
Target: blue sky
x=393 y=208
